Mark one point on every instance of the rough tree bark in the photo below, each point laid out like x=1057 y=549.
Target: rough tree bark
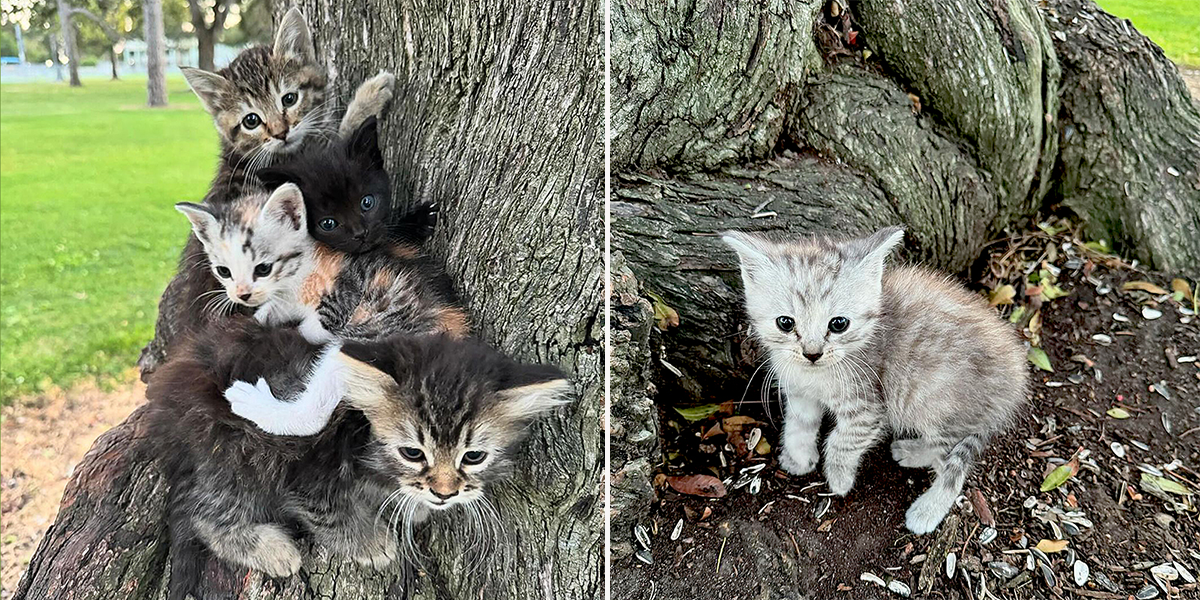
x=156 y=59
x=498 y=117
x=967 y=116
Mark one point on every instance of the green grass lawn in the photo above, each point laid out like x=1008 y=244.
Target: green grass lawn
x=88 y=235
x=1172 y=24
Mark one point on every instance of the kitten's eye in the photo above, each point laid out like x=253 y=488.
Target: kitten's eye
x=839 y=324
x=222 y=272
x=328 y=224
x=251 y=121
x=474 y=457
x=785 y=324
x=263 y=269
x=289 y=99
x=367 y=202
x=413 y=454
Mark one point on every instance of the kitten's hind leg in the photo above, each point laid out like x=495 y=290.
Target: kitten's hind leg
x=917 y=453
x=927 y=512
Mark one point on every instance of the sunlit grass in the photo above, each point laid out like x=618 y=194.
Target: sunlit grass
x=1172 y=24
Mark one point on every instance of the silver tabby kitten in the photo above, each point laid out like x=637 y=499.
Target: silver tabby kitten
x=899 y=350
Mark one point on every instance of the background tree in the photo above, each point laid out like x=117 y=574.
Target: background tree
x=208 y=21
x=104 y=26
x=66 y=28
x=156 y=59
x=959 y=120
x=498 y=117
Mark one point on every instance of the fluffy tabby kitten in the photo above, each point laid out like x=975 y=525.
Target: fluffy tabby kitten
x=347 y=193
x=259 y=249
x=430 y=423
x=898 y=349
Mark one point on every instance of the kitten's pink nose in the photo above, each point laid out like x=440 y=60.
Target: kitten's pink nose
x=444 y=496
x=813 y=356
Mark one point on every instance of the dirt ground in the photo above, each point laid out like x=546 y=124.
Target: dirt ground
x=42 y=438
x=791 y=540
x=1192 y=78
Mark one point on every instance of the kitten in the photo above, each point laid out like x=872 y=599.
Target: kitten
x=269 y=103
x=259 y=249
x=430 y=423
x=899 y=349
x=347 y=193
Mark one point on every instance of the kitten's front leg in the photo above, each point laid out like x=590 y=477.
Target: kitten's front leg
x=369 y=100
x=308 y=413
x=801 y=425
x=858 y=428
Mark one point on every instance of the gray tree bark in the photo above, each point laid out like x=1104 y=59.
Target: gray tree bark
x=498 y=117
x=206 y=32
x=156 y=59
x=966 y=117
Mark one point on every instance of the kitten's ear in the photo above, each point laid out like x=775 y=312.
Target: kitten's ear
x=294 y=37
x=753 y=251
x=527 y=401
x=286 y=206
x=204 y=224
x=208 y=86
x=873 y=249
x=363 y=145
x=366 y=386
x=273 y=177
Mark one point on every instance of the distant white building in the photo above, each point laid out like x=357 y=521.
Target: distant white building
x=180 y=53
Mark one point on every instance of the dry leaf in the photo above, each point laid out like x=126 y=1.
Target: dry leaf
x=1002 y=295
x=705 y=486
x=1181 y=286
x=1145 y=286
x=1052 y=546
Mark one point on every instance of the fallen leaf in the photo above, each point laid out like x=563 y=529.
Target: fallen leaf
x=1051 y=291
x=705 y=486
x=695 y=413
x=763 y=448
x=1052 y=546
x=1002 y=295
x=1181 y=286
x=1038 y=357
x=1166 y=485
x=1117 y=412
x=1018 y=313
x=664 y=316
x=1057 y=477
x=1144 y=286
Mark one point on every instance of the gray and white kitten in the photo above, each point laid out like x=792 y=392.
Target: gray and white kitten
x=899 y=349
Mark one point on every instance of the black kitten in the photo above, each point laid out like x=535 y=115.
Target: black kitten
x=346 y=190
x=430 y=422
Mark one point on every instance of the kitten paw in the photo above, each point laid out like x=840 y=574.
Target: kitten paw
x=376 y=93
x=274 y=553
x=378 y=553
x=798 y=463
x=251 y=402
x=840 y=479
x=926 y=513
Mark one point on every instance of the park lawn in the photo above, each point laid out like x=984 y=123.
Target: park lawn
x=1172 y=24
x=88 y=235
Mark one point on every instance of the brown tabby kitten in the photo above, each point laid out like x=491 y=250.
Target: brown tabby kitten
x=430 y=423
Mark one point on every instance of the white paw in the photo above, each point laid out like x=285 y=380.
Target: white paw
x=926 y=513
x=251 y=402
x=275 y=553
x=381 y=553
x=909 y=454
x=840 y=478
x=377 y=92
x=799 y=462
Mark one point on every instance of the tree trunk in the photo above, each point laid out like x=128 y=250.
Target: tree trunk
x=156 y=60
x=773 y=126
x=205 y=42
x=498 y=117
x=112 y=57
x=67 y=26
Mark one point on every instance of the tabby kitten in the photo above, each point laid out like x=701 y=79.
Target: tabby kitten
x=347 y=193
x=900 y=349
x=260 y=251
x=430 y=423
